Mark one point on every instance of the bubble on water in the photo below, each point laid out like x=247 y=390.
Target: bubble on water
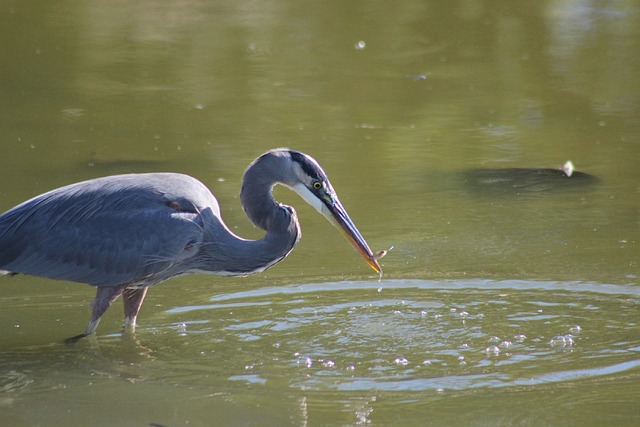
x=351 y=368
x=453 y=309
x=360 y=45
x=461 y=360
x=480 y=316
x=520 y=338
x=437 y=316
x=362 y=412
x=182 y=329
x=306 y=361
x=426 y=362
x=423 y=314
x=329 y=364
x=505 y=344
x=493 y=350
x=401 y=361
x=561 y=341
x=463 y=314
x=494 y=339
x=575 y=329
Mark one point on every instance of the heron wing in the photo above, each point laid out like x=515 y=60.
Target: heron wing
x=103 y=233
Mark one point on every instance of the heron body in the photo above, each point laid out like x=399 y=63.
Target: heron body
x=124 y=233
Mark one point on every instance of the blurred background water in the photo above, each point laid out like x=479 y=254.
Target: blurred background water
x=511 y=294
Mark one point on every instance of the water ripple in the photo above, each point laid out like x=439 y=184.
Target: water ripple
x=424 y=335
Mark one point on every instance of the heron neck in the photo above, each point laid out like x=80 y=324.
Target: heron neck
x=256 y=195
x=279 y=221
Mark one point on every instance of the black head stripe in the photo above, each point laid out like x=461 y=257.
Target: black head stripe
x=307 y=166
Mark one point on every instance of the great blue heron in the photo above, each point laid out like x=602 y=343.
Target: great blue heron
x=124 y=233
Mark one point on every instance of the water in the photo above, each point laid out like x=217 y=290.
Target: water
x=346 y=354
x=510 y=296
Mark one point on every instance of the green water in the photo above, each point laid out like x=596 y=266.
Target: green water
x=510 y=296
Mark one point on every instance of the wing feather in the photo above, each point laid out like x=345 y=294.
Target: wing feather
x=107 y=232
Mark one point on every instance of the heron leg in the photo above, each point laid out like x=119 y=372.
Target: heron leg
x=105 y=296
x=133 y=299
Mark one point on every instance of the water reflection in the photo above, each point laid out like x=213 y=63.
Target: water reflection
x=342 y=329
x=416 y=336
x=436 y=90
x=420 y=335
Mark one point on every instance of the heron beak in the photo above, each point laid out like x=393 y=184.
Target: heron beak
x=333 y=210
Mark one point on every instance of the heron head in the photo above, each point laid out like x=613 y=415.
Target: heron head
x=309 y=180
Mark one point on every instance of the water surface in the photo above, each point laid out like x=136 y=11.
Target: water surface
x=510 y=296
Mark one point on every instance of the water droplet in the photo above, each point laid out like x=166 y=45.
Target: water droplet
x=360 y=45
x=329 y=364
x=575 y=329
x=493 y=350
x=520 y=337
x=401 y=361
x=561 y=341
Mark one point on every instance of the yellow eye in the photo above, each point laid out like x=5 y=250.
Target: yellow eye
x=317 y=185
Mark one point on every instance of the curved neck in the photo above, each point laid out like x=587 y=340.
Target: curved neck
x=237 y=256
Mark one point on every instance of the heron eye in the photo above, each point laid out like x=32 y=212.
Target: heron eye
x=317 y=185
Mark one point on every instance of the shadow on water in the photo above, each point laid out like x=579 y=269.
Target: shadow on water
x=522 y=180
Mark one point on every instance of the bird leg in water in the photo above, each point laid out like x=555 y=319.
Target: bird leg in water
x=105 y=296
x=132 y=299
